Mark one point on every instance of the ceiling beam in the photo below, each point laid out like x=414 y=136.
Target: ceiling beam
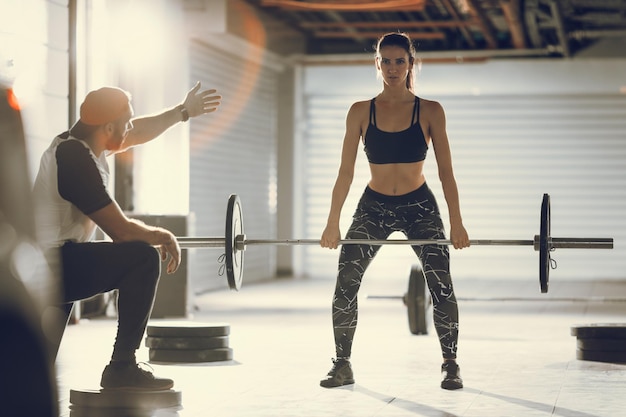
x=375 y=35
x=347 y=5
x=455 y=16
x=511 y=9
x=383 y=25
x=483 y=23
x=338 y=18
x=599 y=4
x=560 y=28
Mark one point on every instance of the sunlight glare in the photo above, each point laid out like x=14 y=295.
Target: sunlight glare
x=141 y=41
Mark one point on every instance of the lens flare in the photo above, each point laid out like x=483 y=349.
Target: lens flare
x=12 y=100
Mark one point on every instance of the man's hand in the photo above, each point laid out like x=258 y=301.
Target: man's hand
x=201 y=102
x=172 y=248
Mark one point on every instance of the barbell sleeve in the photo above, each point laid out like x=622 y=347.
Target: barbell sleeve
x=581 y=243
x=189 y=242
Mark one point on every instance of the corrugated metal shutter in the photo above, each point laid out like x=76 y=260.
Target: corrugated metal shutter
x=233 y=152
x=507 y=152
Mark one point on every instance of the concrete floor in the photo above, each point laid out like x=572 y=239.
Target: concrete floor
x=516 y=354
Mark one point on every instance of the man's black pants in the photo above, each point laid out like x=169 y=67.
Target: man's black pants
x=133 y=268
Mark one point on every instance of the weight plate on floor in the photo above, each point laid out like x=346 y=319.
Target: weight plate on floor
x=417 y=301
x=187 y=342
x=608 y=345
x=123 y=412
x=599 y=331
x=190 y=355
x=601 y=356
x=187 y=329
x=144 y=400
x=544 y=244
x=234 y=256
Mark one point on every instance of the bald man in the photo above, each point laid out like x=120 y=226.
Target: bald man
x=72 y=199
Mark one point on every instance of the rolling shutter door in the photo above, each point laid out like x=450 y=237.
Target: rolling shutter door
x=233 y=152
x=507 y=151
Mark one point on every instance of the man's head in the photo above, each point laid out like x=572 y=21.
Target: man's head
x=107 y=108
x=104 y=105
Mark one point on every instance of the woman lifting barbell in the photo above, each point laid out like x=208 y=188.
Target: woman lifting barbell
x=396 y=128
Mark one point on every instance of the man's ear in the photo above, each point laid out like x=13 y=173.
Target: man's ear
x=109 y=128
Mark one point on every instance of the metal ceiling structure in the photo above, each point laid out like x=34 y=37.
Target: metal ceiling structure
x=559 y=28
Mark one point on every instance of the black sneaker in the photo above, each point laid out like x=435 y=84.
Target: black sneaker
x=451 y=376
x=132 y=377
x=340 y=374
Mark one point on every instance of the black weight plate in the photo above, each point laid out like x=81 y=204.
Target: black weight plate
x=599 y=331
x=608 y=345
x=544 y=244
x=145 y=400
x=187 y=329
x=187 y=342
x=234 y=256
x=76 y=411
x=601 y=356
x=417 y=301
x=190 y=355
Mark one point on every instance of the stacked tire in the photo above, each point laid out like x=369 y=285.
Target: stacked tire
x=601 y=342
x=188 y=342
x=117 y=403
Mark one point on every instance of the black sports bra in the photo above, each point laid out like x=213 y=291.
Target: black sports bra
x=406 y=146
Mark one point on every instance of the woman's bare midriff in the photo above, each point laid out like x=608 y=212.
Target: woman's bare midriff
x=396 y=179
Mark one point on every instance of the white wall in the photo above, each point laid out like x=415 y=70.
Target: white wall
x=148 y=58
x=155 y=69
x=34 y=59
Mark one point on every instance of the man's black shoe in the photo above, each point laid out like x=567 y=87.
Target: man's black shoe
x=451 y=376
x=131 y=377
x=340 y=374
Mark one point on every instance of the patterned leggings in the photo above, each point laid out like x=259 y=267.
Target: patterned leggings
x=417 y=216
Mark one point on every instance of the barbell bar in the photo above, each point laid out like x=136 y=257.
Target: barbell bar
x=235 y=242
x=187 y=242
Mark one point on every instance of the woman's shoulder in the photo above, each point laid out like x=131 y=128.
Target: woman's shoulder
x=360 y=107
x=361 y=104
x=429 y=106
x=428 y=102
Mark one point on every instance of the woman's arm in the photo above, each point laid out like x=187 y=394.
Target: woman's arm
x=441 y=145
x=332 y=235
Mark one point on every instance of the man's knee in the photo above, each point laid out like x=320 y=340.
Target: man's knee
x=149 y=258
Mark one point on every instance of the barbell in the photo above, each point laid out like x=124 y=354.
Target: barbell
x=235 y=242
